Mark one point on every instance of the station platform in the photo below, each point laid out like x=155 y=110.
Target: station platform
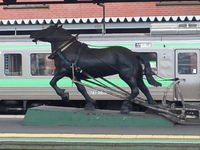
x=14 y=134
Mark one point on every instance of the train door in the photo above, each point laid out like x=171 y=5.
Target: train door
x=187 y=68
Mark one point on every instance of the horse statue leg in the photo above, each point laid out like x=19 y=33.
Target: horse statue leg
x=145 y=90
x=61 y=92
x=90 y=103
x=130 y=80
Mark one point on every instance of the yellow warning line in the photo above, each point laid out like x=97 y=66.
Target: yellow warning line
x=99 y=136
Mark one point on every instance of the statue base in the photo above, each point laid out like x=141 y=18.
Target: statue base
x=53 y=116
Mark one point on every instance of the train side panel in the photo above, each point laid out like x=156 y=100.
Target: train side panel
x=27 y=72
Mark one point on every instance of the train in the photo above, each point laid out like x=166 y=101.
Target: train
x=26 y=70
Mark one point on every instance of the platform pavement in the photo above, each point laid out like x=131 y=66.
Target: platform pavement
x=14 y=134
x=12 y=130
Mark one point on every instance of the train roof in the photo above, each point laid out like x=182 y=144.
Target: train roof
x=129 y=37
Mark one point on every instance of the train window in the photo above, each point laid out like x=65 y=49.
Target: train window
x=41 y=65
x=152 y=58
x=187 y=63
x=13 y=64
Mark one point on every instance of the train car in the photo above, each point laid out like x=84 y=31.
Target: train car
x=26 y=70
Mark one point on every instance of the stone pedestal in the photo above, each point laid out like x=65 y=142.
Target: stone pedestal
x=53 y=116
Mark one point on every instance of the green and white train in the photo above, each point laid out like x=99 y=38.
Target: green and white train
x=26 y=71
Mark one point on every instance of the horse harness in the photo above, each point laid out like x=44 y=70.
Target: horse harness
x=64 y=47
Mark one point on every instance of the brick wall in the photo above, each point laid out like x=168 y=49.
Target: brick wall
x=92 y=10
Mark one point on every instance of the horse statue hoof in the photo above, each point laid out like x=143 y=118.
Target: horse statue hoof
x=125 y=111
x=126 y=107
x=65 y=97
x=90 y=106
x=153 y=103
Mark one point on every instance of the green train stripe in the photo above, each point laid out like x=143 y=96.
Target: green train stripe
x=24 y=46
x=153 y=45
x=106 y=45
x=49 y=46
x=32 y=82
x=66 y=82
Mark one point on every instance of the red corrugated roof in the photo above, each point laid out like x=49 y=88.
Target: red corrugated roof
x=93 y=11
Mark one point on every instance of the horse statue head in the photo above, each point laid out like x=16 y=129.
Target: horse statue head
x=53 y=33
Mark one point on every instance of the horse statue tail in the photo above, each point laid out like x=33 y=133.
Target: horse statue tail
x=148 y=72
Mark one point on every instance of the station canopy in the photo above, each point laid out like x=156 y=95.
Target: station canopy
x=188 y=22
x=125 y=23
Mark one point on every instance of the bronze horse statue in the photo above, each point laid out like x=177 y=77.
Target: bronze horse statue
x=68 y=51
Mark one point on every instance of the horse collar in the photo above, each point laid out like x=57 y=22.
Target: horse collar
x=63 y=47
